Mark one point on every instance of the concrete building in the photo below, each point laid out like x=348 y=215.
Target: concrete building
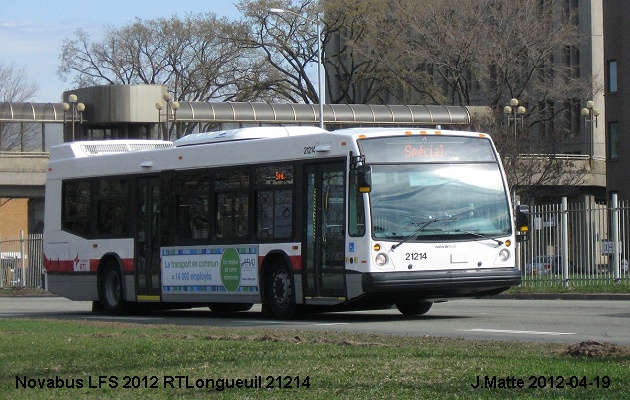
x=617 y=95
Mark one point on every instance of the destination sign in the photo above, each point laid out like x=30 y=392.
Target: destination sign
x=426 y=149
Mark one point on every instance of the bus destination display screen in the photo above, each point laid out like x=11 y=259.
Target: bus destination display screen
x=427 y=149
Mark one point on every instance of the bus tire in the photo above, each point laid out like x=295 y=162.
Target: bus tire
x=414 y=307
x=280 y=292
x=112 y=295
x=230 y=307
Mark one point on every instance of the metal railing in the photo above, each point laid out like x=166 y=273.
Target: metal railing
x=21 y=261
x=24 y=154
x=576 y=244
x=559 y=156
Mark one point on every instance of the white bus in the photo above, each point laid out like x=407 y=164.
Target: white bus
x=296 y=218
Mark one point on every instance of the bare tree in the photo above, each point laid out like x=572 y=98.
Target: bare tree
x=194 y=57
x=369 y=63
x=529 y=174
x=260 y=57
x=287 y=45
x=479 y=51
x=15 y=87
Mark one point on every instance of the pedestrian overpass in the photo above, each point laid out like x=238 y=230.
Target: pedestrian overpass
x=22 y=175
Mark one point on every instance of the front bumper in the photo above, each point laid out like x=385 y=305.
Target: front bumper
x=442 y=284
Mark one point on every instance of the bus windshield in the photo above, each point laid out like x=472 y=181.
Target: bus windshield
x=461 y=196
x=460 y=199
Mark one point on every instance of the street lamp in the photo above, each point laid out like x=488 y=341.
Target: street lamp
x=320 y=78
x=513 y=113
x=590 y=115
x=173 y=106
x=159 y=106
x=76 y=111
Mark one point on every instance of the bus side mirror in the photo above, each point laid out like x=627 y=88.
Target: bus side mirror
x=364 y=178
x=522 y=222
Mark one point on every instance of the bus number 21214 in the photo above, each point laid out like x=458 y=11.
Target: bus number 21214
x=415 y=256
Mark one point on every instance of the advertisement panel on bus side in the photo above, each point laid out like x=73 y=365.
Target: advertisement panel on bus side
x=199 y=269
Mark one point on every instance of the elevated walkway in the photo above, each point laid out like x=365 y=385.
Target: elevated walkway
x=23 y=174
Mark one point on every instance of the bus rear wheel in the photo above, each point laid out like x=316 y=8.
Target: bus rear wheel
x=414 y=307
x=111 y=289
x=280 y=293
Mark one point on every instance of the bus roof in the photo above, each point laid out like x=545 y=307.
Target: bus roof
x=83 y=149
x=102 y=147
x=246 y=134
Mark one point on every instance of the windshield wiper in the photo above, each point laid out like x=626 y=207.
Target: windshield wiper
x=421 y=226
x=480 y=235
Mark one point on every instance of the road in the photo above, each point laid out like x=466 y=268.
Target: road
x=559 y=321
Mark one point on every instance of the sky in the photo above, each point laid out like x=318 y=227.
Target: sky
x=32 y=31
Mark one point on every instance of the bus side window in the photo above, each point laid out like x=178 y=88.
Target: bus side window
x=356 y=208
x=232 y=203
x=274 y=201
x=76 y=207
x=112 y=205
x=274 y=212
x=192 y=191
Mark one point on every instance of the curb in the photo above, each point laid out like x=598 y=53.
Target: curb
x=564 y=296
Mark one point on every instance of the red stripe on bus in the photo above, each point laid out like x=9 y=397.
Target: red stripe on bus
x=68 y=265
x=296 y=262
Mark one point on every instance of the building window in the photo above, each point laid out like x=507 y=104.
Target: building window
x=613 y=140
x=612 y=76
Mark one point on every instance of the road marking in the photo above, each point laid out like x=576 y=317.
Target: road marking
x=518 y=332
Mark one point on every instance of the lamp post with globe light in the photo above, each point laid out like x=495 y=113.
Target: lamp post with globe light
x=171 y=106
x=513 y=113
x=76 y=112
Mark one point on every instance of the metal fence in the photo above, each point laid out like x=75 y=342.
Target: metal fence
x=21 y=261
x=576 y=244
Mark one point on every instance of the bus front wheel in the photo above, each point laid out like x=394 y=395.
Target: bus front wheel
x=111 y=289
x=280 y=293
x=414 y=307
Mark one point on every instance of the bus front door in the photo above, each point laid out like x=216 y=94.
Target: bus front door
x=324 y=274
x=147 y=257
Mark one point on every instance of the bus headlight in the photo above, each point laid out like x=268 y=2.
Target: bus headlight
x=381 y=259
x=504 y=255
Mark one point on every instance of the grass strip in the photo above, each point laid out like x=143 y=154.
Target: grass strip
x=576 y=284
x=44 y=359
